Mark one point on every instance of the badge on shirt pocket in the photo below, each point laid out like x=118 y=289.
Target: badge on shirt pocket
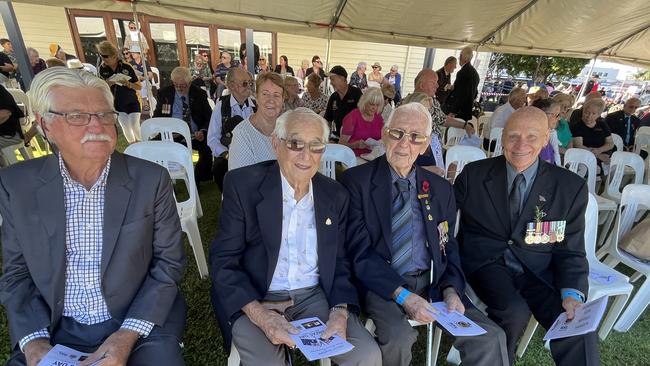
x=545 y=232
x=443 y=236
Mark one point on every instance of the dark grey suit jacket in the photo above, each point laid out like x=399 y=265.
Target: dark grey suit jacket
x=142 y=254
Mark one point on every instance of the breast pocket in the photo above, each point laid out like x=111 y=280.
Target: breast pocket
x=310 y=249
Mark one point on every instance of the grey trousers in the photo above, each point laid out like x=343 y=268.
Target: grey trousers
x=157 y=349
x=395 y=335
x=255 y=349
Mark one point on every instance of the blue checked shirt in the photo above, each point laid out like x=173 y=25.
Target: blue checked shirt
x=84 y=215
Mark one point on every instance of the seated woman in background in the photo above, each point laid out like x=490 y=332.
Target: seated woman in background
x=592 y=133
x=363 y=122
x=291 y=91
x=551 y=152
x=283 y=67
x=314 y=98
x=564 y=137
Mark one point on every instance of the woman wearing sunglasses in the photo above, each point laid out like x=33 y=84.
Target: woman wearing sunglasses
x=551 y=152
x=251 y=139
x=124 y=84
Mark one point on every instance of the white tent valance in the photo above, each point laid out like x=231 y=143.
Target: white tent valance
x=616 y=31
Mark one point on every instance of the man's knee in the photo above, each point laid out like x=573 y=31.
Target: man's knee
x=157 y=350
x=401 y=335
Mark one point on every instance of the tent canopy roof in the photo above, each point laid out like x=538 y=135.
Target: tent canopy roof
x=616 y=31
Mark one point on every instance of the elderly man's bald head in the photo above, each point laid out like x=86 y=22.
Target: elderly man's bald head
x=525 y=134
x=426 y=82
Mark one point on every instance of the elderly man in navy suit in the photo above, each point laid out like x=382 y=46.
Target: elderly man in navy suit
x=522 y=237
x=280 y=254
x=400 y=238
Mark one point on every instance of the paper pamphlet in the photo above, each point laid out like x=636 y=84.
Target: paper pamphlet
x=61 y=355
x=372 y=142
x=456 y=323
x=600 y=278
x=586 y=320
x=312 y=346
x=119 y=78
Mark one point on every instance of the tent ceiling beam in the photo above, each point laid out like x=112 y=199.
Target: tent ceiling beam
x=507 y=22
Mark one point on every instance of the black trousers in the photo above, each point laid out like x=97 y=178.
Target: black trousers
x=219 y=170
x=511 y=298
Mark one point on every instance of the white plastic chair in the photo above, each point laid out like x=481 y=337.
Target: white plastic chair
x=618 y=142
x=641 y=142
x=336 y=153
x=373 y=84
x=157 y=73
x=21 y=98
x=9 y=152
x=90 y=68
x=454 y=135
x=163 y=153
x=461 y=155
x=495 y=135
x=619 y=161
x=645 y=130
x=233 y=359
x=635 y=200
x=483 y=122
x=166 y=127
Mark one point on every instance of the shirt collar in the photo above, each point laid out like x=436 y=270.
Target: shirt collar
x=529 y=173
x=410 y=176
x=67 y=179
x=288 y=194
x=234 y=102
x=179 y=95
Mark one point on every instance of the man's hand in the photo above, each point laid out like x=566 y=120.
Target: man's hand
x=115 y=350
x=453 y=301
x=337 y=324
x=419 y=309
x=199 y=135
x=36 y=349
x=469 y=128
x=4 y=115
x=361 y=144
x=570 y=304
x=275 y=326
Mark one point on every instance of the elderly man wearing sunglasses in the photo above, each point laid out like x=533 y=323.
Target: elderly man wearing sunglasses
x=280 y=252
x=401 y=241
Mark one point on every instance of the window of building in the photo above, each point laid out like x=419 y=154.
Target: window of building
x=91 y=32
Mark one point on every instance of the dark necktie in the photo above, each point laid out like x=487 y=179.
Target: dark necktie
x=515 y=199
x=402 y=233
x=186 y=110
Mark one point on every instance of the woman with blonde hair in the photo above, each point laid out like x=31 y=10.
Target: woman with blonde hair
x=364 y=122
x=592 y=133
x=124 y=84
x=314 y=98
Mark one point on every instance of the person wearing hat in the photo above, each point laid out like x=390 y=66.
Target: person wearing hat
x=376 y=75
x=57 y=52
x=135 y=38
x=343 y=101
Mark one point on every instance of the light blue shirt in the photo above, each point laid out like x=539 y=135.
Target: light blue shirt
x=177 y=110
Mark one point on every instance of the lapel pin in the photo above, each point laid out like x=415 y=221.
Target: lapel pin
x=542 y=198
x=328 y=222
x=430 y=217
x=428 y=207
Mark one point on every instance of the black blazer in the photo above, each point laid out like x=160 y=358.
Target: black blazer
x=278 y=69
x=245 y=251
x=616 y=122
x=198 y=102
x=369 y=229
x=461 y=100
x=481 y=195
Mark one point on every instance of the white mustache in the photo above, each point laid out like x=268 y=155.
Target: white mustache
x=96 y=137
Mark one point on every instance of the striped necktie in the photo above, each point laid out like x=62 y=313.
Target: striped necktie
x=401 y=228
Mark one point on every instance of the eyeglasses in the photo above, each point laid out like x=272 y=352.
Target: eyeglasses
x=315 y=147
x=554 y=115
x=83 y=119
x=180 y=86
x=413 y=137
x=243 y=84
x=125 y=53
x=374 y=67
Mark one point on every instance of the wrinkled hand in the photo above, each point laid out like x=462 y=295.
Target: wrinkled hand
x=337 y=324
x=604 y=158
x=453 y=301
x=361 y=144
x=469 y=128
x=199 y=135
x=277 y=329
x=115 y=350
x=36 y=349
x=570 y=304
x=419 y=309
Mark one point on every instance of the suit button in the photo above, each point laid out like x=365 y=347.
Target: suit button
x=387 y=261
x=510 y=242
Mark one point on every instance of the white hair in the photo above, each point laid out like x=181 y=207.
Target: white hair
x=302 y=114
x=40 y=94
x=394 y=66
x=181 y=73
x=467 y=53
x=362 y=64
x=416 y=109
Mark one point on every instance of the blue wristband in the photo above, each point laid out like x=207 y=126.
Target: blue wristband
x=573 y=294
x=402 y=296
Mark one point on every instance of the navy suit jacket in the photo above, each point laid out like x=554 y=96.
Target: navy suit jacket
x=197 y=101
x=369 y=229
x=461 y=99
x=245 y=251
x=482 y=197
x=616 y=122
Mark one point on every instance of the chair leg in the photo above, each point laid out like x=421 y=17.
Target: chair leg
x=199 y=208
x=325 y=362
x=635 y=277
x=453 y=357
x=612 y=315
x=191 y=227
x=634 y=310
x=233 y=359
x=433 y=344
x=528 y=335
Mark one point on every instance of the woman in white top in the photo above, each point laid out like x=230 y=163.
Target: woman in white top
x=251 y=140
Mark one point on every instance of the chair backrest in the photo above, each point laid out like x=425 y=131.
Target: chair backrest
x=618 y=142
x=645 y=130
x=334 y=153
x=483 y=123
x=157 y=73
x=454 y=135
x=90 y=68
x=617 y=168
x=495 y=135
x=573 y=158
x=166 y=127
x=21 y=98
x=591 y=228
x=461 y=155
x=641 y=142
x=635 y=197
x=373 y=84
x=163 y=153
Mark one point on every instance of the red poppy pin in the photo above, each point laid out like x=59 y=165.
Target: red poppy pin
x=425 y=190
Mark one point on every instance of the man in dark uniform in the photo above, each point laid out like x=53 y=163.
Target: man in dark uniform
x=461 y=100
x=444 y=80
x=343 y=100
x=624 y=123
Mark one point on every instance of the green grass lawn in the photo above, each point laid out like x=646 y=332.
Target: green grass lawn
x=203 y=339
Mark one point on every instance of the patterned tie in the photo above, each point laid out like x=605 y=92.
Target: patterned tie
x=515 y=199
x=402 y=232
x=186 y=110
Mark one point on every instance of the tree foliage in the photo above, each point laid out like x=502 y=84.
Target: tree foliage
x=546 y=67
x=642 y=75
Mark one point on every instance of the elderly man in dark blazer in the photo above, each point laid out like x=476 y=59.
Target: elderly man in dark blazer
x=401 y=235
x=280 y=251
x=522 y=237
x=188 y=102
x=91 y=242
x=624 y=123
x=461 y=100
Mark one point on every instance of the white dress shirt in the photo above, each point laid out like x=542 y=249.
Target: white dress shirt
x=499 y=118
x=214 y=128
x=297 y=265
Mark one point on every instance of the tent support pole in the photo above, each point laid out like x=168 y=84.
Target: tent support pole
x=143 y=54
x=429 y=55
x=584 y=84
x=250 y=52
x=406 y=67
x=16 y=37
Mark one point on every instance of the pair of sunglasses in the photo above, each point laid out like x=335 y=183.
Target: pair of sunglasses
x=296 y=145
x=413 y=137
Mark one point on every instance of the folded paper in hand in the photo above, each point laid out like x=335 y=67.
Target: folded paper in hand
x=586 y=320
x=61 y=355
x=456 y=323
x=119 y=78
x=310 y=343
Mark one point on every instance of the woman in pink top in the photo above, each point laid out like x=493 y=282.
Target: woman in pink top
x=363 y=122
